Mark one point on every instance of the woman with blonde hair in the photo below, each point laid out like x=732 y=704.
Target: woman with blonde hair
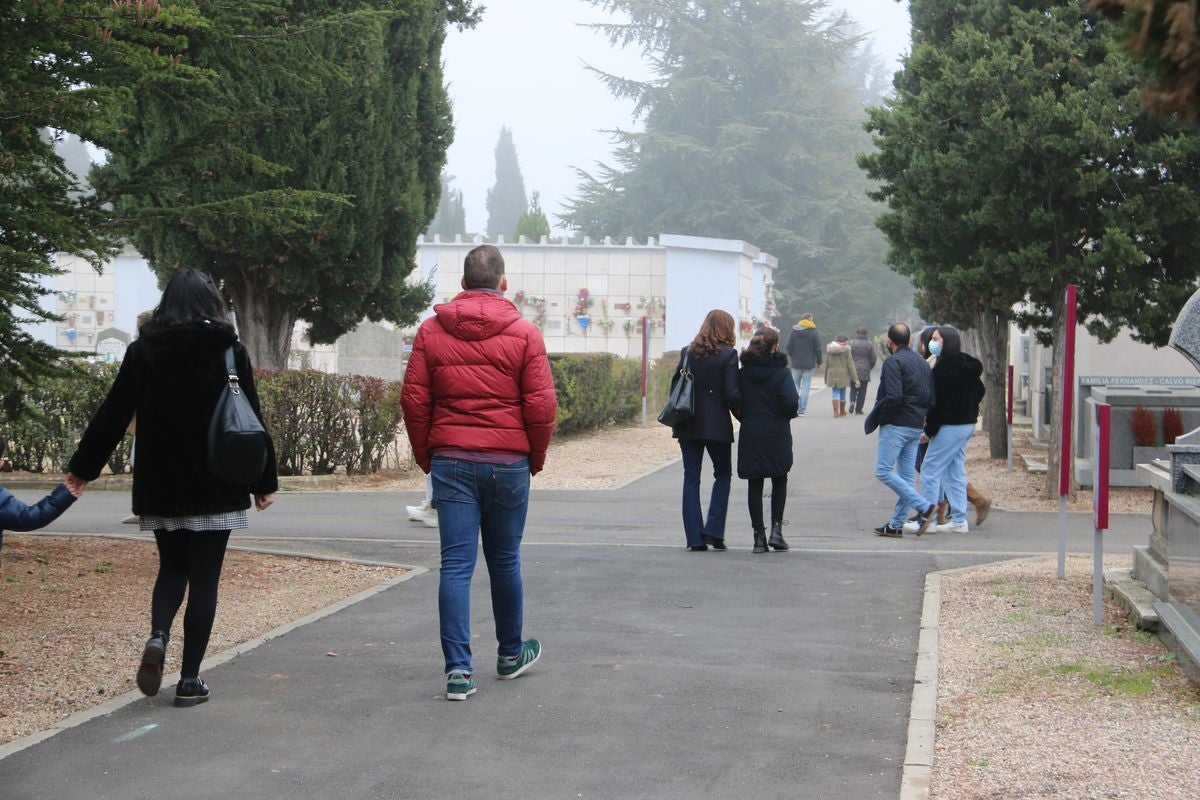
x=713 y=362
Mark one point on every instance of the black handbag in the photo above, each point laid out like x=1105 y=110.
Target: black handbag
x=237 y=441
x=681 y=402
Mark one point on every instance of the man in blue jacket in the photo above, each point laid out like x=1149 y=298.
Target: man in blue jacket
x=905 y=395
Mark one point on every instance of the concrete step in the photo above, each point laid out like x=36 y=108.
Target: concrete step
x=1034 y=464
x=1151 y=571
x=1180 y=630
x=1133 y=596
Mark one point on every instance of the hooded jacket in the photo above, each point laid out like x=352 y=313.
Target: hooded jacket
x=804 y=345
x=171 y=377
x=839 y=366
x=769 y=401
x=959 y=389
x=478 y=380
x=862 y=350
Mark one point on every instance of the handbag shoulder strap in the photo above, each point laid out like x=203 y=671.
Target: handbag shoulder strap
x=231 y=373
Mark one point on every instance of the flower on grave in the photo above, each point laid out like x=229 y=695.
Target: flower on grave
x=606 y=324
x=583 y=303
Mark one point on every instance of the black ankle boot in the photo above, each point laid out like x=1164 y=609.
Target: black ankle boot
x=760 y=540
x=776 y=539
x=154 y=655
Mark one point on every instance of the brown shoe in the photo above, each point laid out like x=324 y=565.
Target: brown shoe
x=982 y=504
x=943 y=511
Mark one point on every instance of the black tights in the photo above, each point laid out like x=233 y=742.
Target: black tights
x=778 y=500
x=188 y=560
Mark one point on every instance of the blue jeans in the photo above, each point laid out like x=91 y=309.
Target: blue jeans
x=896 y=468
x=471 y=499
x=944 y=471
x=803 y=380
x=721 y=453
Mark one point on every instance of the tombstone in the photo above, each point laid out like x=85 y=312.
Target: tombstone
x=111 y=343
x=1183 y=512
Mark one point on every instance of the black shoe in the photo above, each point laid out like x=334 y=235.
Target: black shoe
x=714 y=542
x=760 y=540
x=697 y=548
x=190 y=692
x=776 y=541
x=887 y=530
x=154 y=655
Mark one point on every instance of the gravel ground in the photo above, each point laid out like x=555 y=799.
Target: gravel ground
x=1035 y=701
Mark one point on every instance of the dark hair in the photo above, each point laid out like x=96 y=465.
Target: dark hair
x=861 y=331
x=764 y=341
x=923 y=340
x=483 y=267
x=190 y=296
x=951 y=341
x=716 y=330
x=899 y=333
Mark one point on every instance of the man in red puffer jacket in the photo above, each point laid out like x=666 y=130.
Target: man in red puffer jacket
x=479 y=406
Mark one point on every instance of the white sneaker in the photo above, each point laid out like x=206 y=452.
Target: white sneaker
x=912 y=527
x=954 y=527
x=417 y=513
x=430 y=518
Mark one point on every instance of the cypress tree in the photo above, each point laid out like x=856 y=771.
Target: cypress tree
x=506 y=200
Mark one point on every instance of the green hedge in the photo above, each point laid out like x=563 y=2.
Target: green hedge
x=319 y=422
x=597 y=389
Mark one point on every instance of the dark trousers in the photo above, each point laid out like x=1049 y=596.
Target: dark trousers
x=694 y=524
x=191 y=561
x=755 y=500
x=858 y=397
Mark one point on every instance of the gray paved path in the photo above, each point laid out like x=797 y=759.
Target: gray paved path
x=666 y=674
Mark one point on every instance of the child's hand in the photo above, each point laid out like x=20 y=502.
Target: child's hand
x=263 y=501
x=75 y=485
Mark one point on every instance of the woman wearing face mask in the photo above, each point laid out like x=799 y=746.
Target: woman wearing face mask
x=950 y=424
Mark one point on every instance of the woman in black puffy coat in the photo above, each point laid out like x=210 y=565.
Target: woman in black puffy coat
x=769 y=403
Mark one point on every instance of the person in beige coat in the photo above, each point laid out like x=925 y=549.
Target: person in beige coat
x=840 y=373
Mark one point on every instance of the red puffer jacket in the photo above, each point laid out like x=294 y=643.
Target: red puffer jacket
x=478 y=380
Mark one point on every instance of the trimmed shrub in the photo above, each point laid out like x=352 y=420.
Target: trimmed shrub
x=1172 y=425
x=1143 y=427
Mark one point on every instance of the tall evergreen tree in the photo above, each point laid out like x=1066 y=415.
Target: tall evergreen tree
x=533 y=224
x=63 y=66
x=506 y=200
x=752 y=123
x=451 y=217
x=1015 y=161
x=302 y=170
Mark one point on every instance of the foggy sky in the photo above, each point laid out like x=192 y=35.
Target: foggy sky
x=523 y=66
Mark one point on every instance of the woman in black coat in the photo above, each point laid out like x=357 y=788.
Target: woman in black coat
x=171 y=377
x=769 y=403
x=714 y=366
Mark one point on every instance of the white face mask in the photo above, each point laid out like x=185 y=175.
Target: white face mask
x=935 y=348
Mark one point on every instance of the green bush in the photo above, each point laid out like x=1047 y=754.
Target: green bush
x=597 y=389
x=44 y=427
x=319 y=422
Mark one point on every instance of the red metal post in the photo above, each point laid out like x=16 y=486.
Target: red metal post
x=1068 y=395
x=1010 y=394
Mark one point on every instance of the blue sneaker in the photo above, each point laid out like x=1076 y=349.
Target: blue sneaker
x=460 y=685
x=509 y=667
